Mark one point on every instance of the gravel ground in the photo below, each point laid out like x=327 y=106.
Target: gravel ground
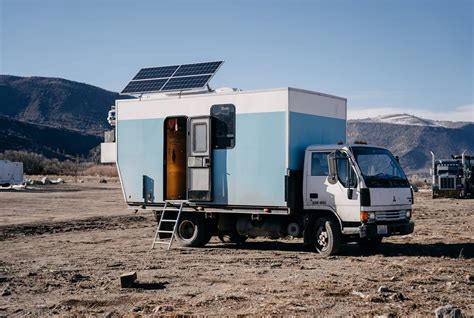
x=63 y=248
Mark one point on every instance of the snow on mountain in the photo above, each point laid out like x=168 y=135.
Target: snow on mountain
x=411 y=120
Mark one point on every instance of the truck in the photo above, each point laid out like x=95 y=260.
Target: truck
x=11 y=173
x=245 y=164
x=452 y=178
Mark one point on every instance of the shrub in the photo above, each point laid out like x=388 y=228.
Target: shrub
x=37 y=164
x=100 y=170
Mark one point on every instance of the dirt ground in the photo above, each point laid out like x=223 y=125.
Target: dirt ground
x=63 y=248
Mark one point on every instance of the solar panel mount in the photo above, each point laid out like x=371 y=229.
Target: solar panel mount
x=172 y=78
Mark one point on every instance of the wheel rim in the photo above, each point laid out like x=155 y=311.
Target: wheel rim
x=322 y=239
x=187 y=230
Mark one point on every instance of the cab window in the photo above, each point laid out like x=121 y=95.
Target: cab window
x=319 y=164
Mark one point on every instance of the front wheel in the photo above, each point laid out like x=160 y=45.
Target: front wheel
x=326 y=236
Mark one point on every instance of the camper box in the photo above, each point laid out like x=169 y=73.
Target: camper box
x=229 y=149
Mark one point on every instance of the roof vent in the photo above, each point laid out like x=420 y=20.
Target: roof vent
x=227 y=90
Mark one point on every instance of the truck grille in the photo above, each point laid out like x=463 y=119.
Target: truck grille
x=447 y=183
x=390 y=215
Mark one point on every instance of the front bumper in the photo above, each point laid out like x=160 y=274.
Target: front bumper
x=370 y=230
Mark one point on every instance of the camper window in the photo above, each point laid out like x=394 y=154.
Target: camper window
x=224 y=126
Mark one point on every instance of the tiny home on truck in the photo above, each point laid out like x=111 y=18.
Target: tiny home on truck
x=242 y=164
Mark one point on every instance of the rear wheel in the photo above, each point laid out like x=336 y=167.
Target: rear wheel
x=326 y=236
x=192 y=231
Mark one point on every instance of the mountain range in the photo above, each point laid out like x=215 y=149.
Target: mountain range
x=412 y=138
x=55 y=117
x=61 y=118
x=56 y=102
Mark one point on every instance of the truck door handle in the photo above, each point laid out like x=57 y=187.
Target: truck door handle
x=313 y=195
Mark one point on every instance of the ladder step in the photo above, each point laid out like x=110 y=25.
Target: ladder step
x=161 y=231
x=161 y=242
x=168 y=220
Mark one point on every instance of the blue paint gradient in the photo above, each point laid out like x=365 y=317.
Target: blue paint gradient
x=306 y=130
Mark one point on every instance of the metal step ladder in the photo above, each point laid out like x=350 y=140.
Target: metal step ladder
x=167 y=221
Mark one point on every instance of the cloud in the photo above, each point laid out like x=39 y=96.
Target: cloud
x=461 y=113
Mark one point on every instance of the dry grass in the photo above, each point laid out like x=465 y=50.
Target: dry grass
x=100 y=170
x=90 y=173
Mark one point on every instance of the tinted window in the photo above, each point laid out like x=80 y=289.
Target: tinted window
x=224 y=126
x=319 y=164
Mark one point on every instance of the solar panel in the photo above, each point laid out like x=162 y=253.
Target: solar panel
x=200 y=68
x=172 y=78
x=179 y=83
x=145 y=86
x=156 y=72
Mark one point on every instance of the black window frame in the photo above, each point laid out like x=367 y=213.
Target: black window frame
x=231 y=141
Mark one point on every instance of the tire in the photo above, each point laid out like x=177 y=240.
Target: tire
x=192 y=231
x=370 y=245
x=326 y=237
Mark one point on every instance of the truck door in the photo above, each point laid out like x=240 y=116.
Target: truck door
x=317 y=171
x=199 y=159
x=321 y=193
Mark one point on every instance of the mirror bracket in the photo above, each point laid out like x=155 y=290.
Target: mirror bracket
x=332 y=178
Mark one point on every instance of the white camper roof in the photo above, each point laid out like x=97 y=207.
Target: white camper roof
x=285 y=99
x=225 y=91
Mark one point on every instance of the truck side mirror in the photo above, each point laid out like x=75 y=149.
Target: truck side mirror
x=397 y=158
x=350 y=193
x=332 y=178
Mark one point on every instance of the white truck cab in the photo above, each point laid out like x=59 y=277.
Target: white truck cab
x=361 y=186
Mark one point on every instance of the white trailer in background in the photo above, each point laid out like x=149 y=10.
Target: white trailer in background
x=11 y=173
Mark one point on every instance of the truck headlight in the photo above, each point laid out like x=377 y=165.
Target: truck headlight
x=371 y=216
x=408 y=214
x=367 y=216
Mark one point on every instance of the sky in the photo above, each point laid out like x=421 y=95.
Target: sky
x=384 y=56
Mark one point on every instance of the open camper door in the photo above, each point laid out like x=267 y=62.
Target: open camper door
x=199 y=159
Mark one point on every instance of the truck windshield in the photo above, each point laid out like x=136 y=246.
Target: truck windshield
x=379 y=168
